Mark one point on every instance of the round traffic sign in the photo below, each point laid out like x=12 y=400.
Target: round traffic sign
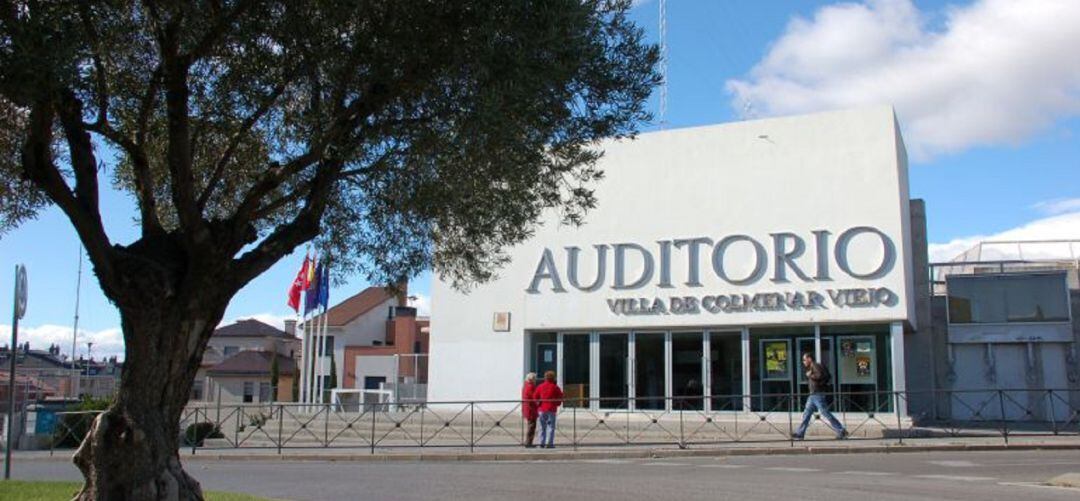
x=20 y=291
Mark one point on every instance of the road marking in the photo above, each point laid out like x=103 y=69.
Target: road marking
x=866 y=473
x=957 y=477
x=782 y=468
x=726 y=466
x=954 y=464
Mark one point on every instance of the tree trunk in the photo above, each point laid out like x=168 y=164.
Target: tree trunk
x=131 y=450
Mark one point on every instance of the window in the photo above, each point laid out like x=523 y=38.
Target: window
x=264 y=391
x=231 y=350
x=197 y=390
x=417 y=347
x=249 y=391
x=1002 y=299
x=374 y=382
x=576 y=369
x=329 y=345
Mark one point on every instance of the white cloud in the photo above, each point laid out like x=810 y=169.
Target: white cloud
x=995 y=72
x=107 y=342
x=1058 y=206
x=1059 y=227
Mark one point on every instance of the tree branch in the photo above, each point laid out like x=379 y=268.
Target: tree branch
x=234 y=142
x=177 y=93
x=304 y=227
x=141 y=177
x=214 y=34
x=37 y=163
x=100 y=83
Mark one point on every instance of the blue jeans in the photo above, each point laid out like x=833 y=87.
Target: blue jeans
x=817 y=402
x=547 y=429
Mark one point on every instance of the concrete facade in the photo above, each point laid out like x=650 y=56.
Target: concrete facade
x=689 y=223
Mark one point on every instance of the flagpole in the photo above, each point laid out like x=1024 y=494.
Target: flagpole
x=318 y=362
x=302 y=393
x=313 y=381
x=305 y=344
x=320 y=327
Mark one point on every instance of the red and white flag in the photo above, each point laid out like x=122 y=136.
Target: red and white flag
x=300 y=283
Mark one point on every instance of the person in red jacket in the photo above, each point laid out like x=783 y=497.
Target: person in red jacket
x=528 y=408
x=549 y=396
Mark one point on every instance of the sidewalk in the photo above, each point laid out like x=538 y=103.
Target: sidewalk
x=566 y=452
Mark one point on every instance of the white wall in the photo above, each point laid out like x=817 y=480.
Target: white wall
x=361 y=331
x=831 y=171
x=375 y=366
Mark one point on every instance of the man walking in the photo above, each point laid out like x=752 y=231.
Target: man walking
x=528 y=408
x=819 y=378
x=549 y=397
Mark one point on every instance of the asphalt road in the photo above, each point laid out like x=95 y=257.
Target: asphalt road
x=879 y=477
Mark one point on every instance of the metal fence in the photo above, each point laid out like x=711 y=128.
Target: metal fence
x=676 y=421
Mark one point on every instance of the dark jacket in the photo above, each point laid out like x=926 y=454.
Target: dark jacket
x=819 y=378
x=549 y=395
x=528 y=401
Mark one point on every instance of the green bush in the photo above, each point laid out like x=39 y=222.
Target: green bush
x=72 y=428
x=197 y=432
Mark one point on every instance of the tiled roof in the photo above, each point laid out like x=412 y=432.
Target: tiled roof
x=252 y=362
x=359 y=304
x=250 y=328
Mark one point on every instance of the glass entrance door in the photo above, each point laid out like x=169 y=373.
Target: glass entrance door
x=546 y=354
x=614 y=351
x=687 y=384
x=650 y=378
x=725 y=371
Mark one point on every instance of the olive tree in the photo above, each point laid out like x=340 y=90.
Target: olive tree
x=399 y=135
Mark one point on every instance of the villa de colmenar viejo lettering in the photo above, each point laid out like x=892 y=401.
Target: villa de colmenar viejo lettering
x=763 y=301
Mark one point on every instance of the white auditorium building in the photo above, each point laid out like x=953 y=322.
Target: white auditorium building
x=715 y=257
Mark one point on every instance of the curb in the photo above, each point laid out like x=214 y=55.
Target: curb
x=608 y=453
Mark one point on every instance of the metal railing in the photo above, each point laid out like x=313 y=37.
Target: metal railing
x=681 y=421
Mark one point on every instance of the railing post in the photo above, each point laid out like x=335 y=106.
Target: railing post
x=472 y=425
x=1004 y=423
x=422 y=407
x=236 y=429
x=682 y=436
x=627 y=421
x=373 y=410
x=195 y=440
x=743 y=409
x=280 y=422
x=326 y=427
x=790 y=429
x=1053 y=412
x=574 y=418
x=899 y=423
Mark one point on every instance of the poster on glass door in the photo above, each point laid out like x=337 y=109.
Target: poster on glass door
x=857 y=359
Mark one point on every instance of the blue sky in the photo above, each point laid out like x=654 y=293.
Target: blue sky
x=987 y=93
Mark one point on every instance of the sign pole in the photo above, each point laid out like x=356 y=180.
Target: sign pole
x=18 y=310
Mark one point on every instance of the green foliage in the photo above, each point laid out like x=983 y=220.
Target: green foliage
x=405 y=134
x=72 y=428
x=197 y=432
x=51 y=491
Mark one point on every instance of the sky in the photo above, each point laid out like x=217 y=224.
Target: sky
x=987 y=93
